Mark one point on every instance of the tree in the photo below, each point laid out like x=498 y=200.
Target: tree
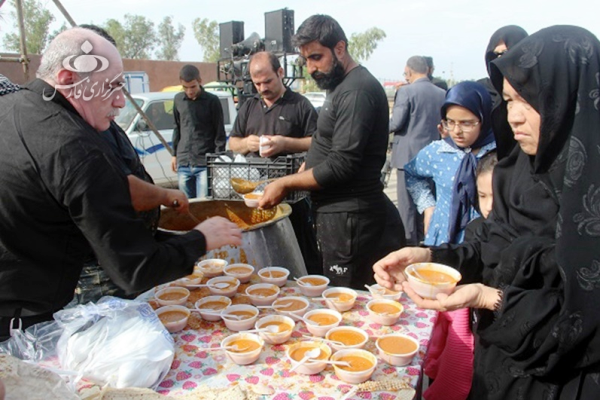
x=170 y=39
x=37 y=20
x=362 y=45
x=136 y=37
x=207 y=36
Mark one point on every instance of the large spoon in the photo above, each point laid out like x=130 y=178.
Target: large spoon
x=307 y=356
x=243 y=186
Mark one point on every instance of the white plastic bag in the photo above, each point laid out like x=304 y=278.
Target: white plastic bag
x=117 y=342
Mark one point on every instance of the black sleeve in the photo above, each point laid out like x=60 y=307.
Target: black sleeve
x=219 y=128
x=239 y=126
x=176 y=127
x=309 y=118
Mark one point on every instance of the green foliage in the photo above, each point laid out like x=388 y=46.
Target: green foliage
x=136 y=37
x=170 y=39
x=207 y=35
x=37 y=20
x=362 y=45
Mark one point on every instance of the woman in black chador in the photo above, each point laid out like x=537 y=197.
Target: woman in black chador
x=533 y=270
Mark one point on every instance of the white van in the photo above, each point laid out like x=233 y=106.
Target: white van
x=159 y=108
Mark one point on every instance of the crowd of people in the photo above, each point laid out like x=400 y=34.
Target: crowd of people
x=496 y=178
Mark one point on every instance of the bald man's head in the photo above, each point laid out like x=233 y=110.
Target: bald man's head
x=267 y=74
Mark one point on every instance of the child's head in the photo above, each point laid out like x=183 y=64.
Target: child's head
x=485 y=168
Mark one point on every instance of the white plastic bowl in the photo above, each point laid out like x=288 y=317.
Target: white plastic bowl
x=339 y=299
x=241 y=272
x=334 y=334
x=190 y=280
x=295 y=314
x=174 y=325
x=230 y=291
x=279 y=337
x=260 y=299
x=252 y=199
x=385 y=293
x=234 y=324
x=216 y=315
x=308 y=368
x=321 y=330
x=244 y=357
x=312 y=290
x=398 y=359
x=211 y=267
x=354 y=377
x=266 y=275
x=384 y=318
x=427 y=289
x=166 y=296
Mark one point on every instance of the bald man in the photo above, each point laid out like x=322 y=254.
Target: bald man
x=63 y=196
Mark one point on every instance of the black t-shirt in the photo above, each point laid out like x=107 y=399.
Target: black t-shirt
x=292 y=115
x=348 y=151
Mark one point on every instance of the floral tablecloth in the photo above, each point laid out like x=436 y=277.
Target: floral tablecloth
x=194 y=366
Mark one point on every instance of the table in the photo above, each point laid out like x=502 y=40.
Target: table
x=193 y=366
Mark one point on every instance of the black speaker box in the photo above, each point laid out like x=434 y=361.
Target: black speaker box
x=279 y=29
x=230 y=33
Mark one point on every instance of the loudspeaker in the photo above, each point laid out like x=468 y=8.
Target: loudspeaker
x=279 y=28
x=230 y=33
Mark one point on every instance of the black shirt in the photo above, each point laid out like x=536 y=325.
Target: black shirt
x=62 y=197
x=198 y=129
x=348 y=151
x=292 y=115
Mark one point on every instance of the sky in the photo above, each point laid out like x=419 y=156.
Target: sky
x=454 y=32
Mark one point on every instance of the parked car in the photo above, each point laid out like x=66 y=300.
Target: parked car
x=159 y=108
x=316 y=98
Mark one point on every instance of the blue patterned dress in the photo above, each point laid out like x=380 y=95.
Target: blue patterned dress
x=431 y=174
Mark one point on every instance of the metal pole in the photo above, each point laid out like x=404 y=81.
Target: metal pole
x=64 y=12
x=25 y=60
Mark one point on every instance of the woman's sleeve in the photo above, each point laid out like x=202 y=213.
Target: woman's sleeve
x=419 y=182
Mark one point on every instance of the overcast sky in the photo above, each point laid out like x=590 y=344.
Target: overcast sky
x=454 y=32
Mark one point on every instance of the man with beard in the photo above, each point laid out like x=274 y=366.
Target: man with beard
x=343 y=164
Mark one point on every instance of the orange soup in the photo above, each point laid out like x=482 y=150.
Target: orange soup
x=214 y=305
x=239 y=270
x=212 y=266
x=170 y=296
x=397 y=345
x=281 y=326
x=192 y=277
x=434 y=277
x=290 y=305
x=314 y=281
x=172 y=316
x=323 y=319
x=244 y=345
x=273 y=274
x=340 y=296
x=242 y=314
x=253 y=196
x=262 y=292
x=384 y=308
x=348 y=337
x=299 y=353
x=357 y=363
x=390 y=292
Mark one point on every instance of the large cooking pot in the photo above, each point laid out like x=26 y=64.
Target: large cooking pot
x=268 y=238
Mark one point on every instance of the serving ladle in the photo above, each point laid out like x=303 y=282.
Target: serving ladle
x=243 y=186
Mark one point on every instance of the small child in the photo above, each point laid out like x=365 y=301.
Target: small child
x=485 y=169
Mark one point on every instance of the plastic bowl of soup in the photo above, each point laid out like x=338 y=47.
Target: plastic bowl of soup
x=172 y=296
x=275 y=275
x=217 y=286
x=324 y=319
x=362 y=365
x=432 y=279
x=285 y=326
x=397 y=349
x=262 y=294
x=384 y=312
x=339 y=299
x=174 y=318
x=296 y=352
x=190 y=280
x=349 y=336
x=240 y=317
x=242 y=272
x=213 y=306
x=312 y=285
x=211 y=267
x=292 y=306
x=252 y=199
x=248 y=345
x=385 y=293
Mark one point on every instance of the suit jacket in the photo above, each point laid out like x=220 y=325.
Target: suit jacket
x=415 y=117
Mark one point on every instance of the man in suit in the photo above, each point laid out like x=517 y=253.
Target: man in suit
x=415 y=116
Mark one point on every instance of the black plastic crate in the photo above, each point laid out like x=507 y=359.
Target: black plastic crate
x=254 y=169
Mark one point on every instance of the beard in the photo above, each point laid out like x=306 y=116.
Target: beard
x=329 y=80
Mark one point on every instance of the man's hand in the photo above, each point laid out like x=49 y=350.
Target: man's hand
x=252 y=143
x=274 y=193
x=174 y=164
x=177 y=200
x=219 y=232
x=474 y=295
x=389 y=271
